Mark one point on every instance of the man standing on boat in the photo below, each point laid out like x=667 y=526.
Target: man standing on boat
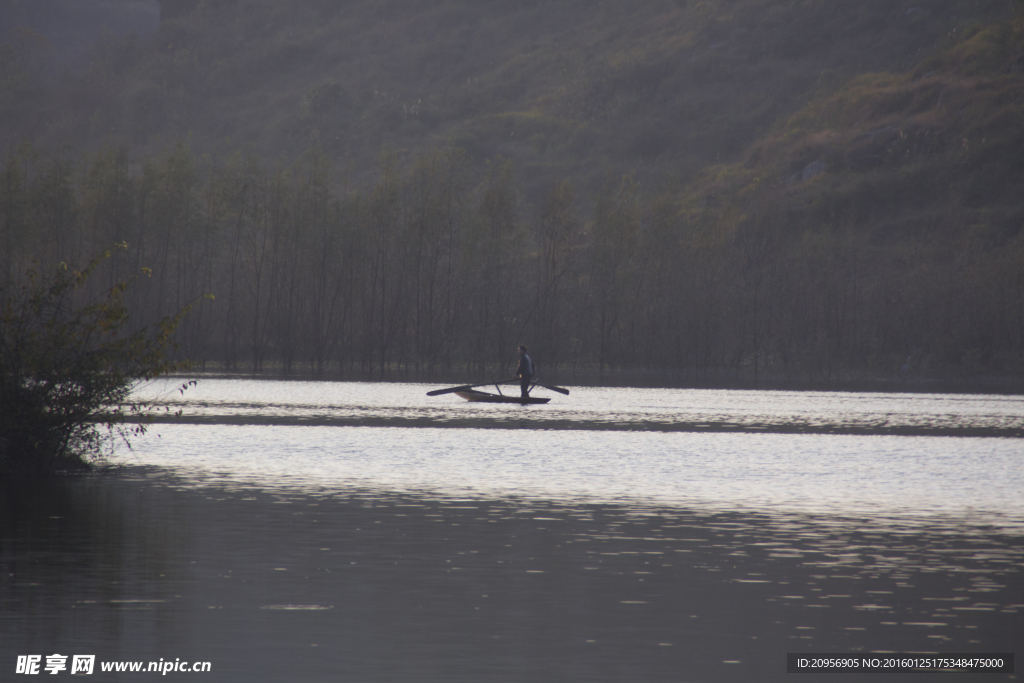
x=524 y=372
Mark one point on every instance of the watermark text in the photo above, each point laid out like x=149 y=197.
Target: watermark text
x=87 y=664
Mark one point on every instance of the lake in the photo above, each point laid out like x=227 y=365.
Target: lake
x=329 y=531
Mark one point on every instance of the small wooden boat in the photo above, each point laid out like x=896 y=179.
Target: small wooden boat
x=470 y=393
x=484 y=397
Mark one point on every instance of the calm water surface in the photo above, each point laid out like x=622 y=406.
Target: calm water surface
x=323 y=532
x=377 y=404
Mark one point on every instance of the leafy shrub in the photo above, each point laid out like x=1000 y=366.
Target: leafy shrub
x=68 y=367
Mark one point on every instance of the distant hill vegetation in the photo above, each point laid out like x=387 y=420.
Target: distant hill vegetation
x=565 y=88
x=742 y=189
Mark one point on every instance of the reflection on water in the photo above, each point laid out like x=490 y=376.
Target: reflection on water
x=530 y=552
x=384 y=404
x=876 y=475
x=364 y=585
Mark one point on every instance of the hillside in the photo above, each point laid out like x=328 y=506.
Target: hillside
x=59 y=33
x=889 y=211
x=714 y=193
x=568 y=88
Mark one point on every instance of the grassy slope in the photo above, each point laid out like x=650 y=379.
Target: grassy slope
x=906 y=185
x=937 y=148
x=567 y=88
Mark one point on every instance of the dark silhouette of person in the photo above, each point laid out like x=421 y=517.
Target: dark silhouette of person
x=524 y=372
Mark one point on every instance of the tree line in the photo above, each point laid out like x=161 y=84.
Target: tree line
x=430 y=268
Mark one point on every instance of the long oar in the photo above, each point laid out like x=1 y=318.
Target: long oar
x=452 y=390
x=558 y=389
